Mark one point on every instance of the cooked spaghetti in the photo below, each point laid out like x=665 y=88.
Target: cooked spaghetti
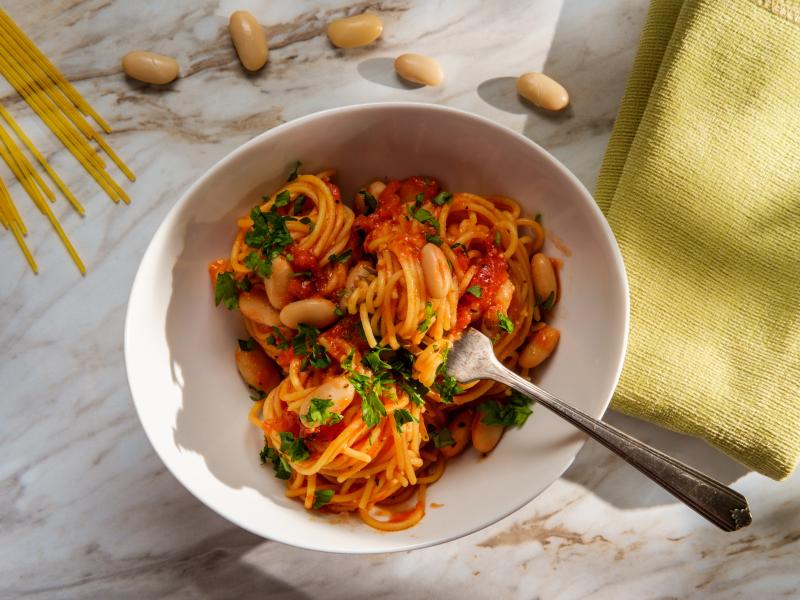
x=359 y=308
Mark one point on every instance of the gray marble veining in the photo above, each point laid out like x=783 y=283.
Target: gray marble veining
x=86 y=508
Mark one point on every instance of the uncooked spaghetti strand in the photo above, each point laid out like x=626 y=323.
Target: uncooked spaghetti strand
x=7 y=23
x=42 y=161
x=15 y=151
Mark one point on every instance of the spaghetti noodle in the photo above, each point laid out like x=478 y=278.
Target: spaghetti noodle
x=61 y=108
x=359 y=308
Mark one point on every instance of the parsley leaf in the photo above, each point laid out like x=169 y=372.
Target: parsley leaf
x=445 y=385
x=426 y=217
x=226 y=291
x=442 y=438
x=419 y=200
x=401 y=417
x=255 y=262
x=513 y=412
x=340 y=258
x=505 y=323
x=283 y=198
x=370 y=202
x=458 y=245
x=475 y=290
x=295 y=171
x=246 y=345
x=294 y=447
x=374 y=361
x=338 y=311
x=321 y=498
x=429 y=314
x=277 y=339
x=282 y=468
x=319 y=413
x=370 y=389
x=497 y=238
x=433 y=239
x=549 y=301
x=270 y=235
x=305 y=344
x=256 y=394
x=442 y=198
x=538 y=218
x=402 y=366
x=299 y=202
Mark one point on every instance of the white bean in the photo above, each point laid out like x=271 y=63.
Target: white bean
x=543 y=91
x=277 y=284
x=435 y=270
x=504 y=295
x=255 y=306
x=150 y=67
x=544 y=278
x=249 y=40
x=338 y=390
x=417 y=68
x=256 y=369
x=316 y=312
x=540 y=347
x=376 y=188
x=485 y=437
x=352 y=32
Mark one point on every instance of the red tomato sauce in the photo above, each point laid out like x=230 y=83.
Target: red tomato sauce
x=491 y=274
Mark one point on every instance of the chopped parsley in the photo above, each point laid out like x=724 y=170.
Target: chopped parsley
x=442 y=198
x=256 y=394
x=445 y=384
x=402 y=366
x=433 y=239
x=295 y=171
x=319 y=413
x=401 y=417
x=549 y=301
x=246 y=345
x=302 y=274
x=283 y=198
x=338 y=311
x=282 y=468
x=426 y=218
x=419 y=200
x=442 y=438
x=226 y=290
x=498 y=240
x=475 y=290
x=293 y=447
x=305 y=344
x=373 y=360
x=429 y=314
x=299 y=202
x=277 y=339
x=458 y=245
x=504 y=322
x=370 y=389
x=513 y=412
x=538 y=218
x=370 y=202
x=340 y=258
x=321 y=498
x=270 y=236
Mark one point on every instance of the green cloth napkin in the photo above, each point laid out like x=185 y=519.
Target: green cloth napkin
x=701 y=185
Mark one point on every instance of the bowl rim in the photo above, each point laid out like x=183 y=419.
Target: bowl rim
x=232 y=156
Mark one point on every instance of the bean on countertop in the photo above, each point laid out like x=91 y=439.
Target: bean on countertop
x=249 y=40
x=352 y=32
x=150 y=67
x=543 y=91
x=419 y=69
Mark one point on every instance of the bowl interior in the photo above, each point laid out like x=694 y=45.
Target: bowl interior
x=179 y=347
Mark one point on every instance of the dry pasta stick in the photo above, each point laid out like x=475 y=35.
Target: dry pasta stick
x=42 y=161
x=10 y=219
x=13 y=30
x=27 y=167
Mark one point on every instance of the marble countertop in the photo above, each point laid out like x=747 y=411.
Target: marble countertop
x=86 y=508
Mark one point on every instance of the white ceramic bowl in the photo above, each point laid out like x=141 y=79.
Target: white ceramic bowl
x=179 y=347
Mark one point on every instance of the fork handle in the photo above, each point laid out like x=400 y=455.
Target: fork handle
x=718 y=503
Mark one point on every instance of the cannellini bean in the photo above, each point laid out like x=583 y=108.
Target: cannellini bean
x=417 y=68
x=544 y=278
x=435 y=270
x=485 y=437
x=277 y=284
x=543 y=91
x=256 y=369
x=316 y=312
x=460 y=431
x=376 y=188
x=255 y=306
x=249 y=40
x=540 y=347
x=352 y=32
x=150 y=67
x=504 y=295
x=338 y=390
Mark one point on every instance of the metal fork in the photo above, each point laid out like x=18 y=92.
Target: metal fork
x=472 y=357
